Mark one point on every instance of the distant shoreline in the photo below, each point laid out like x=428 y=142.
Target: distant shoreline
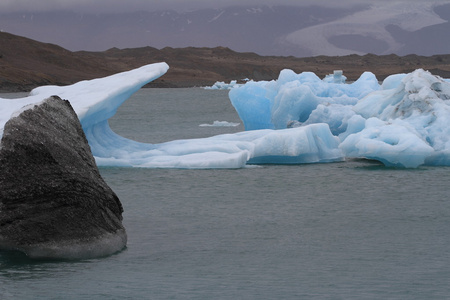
x=26 y=64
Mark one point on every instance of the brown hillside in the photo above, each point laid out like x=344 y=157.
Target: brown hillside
x=25 y=64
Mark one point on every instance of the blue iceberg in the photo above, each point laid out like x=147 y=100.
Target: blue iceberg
x=293 y=98
x=404 y=122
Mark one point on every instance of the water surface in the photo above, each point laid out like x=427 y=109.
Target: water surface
x=350 y=230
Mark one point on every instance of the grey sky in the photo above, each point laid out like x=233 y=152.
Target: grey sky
x=111 y=5
x=98 y=6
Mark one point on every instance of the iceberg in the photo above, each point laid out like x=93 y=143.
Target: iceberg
x=402 y=122
x=407 y=122
x=293 y=97
x=95 y=101
x=220 y=124
x=221 y=85
x=303 y=145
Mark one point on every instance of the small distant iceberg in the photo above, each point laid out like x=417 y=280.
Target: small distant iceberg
x=221 y=85
x=220 y=124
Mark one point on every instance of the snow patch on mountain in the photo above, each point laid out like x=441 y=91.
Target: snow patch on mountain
x=370 y=23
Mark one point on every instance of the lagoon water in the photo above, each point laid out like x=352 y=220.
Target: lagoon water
x=350 y=230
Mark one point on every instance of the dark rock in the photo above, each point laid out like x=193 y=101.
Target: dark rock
x=53 y=201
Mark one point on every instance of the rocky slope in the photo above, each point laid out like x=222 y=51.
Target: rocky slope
x=25 y=64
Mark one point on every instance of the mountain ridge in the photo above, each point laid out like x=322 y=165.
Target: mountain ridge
x=26 y=63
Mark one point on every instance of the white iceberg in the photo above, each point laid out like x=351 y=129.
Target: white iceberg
x=411 y=126
x=95 y=101
x=220 y=124
x=221 y=85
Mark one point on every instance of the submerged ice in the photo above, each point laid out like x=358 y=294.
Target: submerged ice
x=298 y=118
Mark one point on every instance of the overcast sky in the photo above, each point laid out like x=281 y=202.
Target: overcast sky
x=369 y=26
x=98 y=6
x=122 y=5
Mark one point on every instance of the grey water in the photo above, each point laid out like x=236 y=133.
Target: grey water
x=350 y=230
